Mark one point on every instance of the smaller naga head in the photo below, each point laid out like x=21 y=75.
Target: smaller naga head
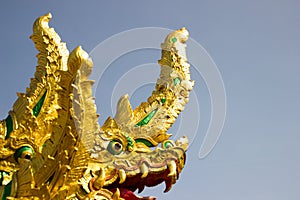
x=22 y=137
x=133 y=150
x=122 y=163
x=8 y=157
x=23 y=133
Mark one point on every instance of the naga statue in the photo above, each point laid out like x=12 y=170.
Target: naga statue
x=52 y=146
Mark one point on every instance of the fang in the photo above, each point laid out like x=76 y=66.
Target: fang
x=122 y=176
x=172 y=168
x=144 y=170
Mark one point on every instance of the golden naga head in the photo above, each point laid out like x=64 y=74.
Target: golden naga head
x=52 y=147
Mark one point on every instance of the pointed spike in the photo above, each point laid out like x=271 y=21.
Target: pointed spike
x=110 y=123
x=124 y=111
x=20 y=94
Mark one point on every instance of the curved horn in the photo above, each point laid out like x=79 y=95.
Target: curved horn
x=153 y=118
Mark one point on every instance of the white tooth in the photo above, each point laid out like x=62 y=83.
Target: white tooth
x=144 y=170
x=172 y=168
x=100 y=180
x=122 y=176
x=116 y=195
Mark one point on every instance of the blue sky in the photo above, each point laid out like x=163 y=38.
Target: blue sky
x=255 y=45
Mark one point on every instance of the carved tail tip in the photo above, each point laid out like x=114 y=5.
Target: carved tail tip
x=48 y=15
x=44 y=19
x=176 y=40
x=42 y=22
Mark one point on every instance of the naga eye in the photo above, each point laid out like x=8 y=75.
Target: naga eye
x=115 y=147
x=168 y=144
x=24 y=153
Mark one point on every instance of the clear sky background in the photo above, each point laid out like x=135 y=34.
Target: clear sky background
x=256 y=47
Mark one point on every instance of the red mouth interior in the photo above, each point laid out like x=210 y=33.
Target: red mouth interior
x=127 y=189
x=129 y=195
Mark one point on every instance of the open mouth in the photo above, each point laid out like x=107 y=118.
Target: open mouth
x=127 y=180
x=127 y=175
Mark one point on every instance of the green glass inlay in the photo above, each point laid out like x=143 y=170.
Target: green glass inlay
x=7 y=190
x=146 y=142
x=176 y=81
x=147 y=119
x=163 y=100
x=129 y=141
x=37 y=108
x=174 y=39
x=168 y=144
x=9 y=126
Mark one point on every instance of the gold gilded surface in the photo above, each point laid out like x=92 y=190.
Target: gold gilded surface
x=52 y=147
